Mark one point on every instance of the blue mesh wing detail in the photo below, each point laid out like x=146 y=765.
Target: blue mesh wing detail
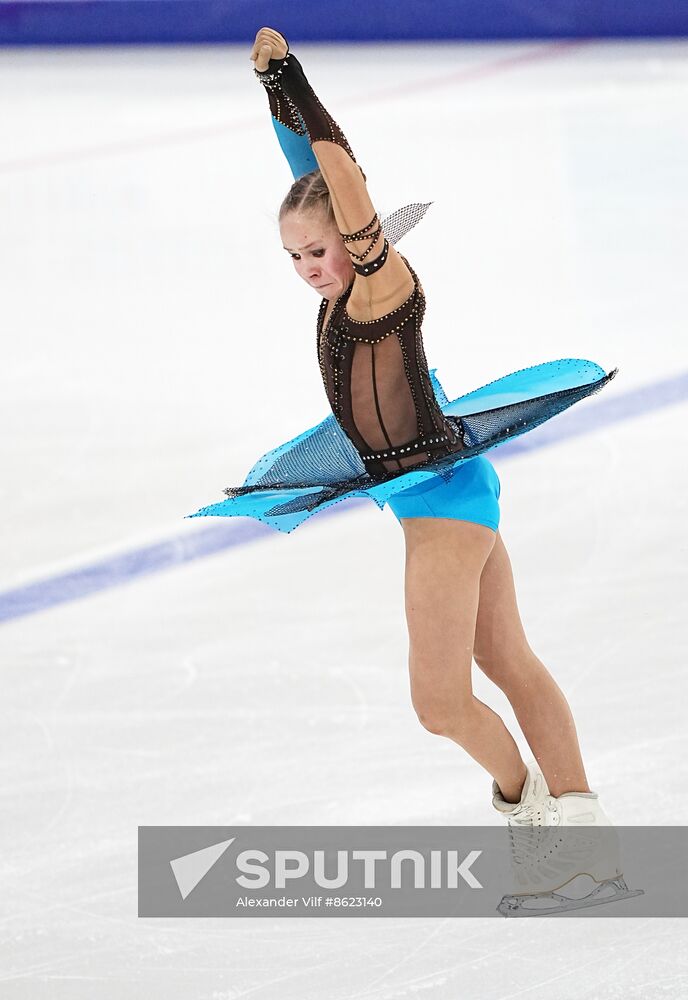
x=321 y=466
x=528 y=383
x=323 y=454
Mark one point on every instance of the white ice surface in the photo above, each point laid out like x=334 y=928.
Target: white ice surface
x=146 y=302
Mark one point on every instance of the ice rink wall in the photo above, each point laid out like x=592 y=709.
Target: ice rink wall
x=93 y=22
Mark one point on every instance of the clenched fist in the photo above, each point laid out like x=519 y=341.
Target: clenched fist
x=269 y=44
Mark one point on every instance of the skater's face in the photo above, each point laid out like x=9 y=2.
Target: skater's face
x=318 y=252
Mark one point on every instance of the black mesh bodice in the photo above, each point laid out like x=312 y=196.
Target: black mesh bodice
x=376 y=378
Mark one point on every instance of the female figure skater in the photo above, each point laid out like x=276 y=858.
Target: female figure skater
x=395 y=437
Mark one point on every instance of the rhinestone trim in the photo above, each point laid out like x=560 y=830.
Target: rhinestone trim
x=409 y=447
x=377 y=263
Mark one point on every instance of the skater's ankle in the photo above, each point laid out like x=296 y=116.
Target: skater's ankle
x=512 y=792
x=569 y=790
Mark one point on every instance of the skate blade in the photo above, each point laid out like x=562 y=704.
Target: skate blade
x=552 y=903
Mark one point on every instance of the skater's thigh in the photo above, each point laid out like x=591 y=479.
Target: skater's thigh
x=500 y=640
x=444 y=560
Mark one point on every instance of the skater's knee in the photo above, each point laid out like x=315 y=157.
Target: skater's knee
x=441 y=694
x=434 y=723
x=453 y=720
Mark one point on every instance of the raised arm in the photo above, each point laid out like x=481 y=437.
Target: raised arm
x=382 y=280
x=295 y=145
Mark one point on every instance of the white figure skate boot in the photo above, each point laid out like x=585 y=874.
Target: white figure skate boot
x=557 y=870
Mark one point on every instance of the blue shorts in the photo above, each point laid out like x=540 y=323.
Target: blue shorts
x=472 y=494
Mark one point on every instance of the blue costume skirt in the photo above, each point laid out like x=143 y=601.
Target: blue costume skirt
x=321 y=466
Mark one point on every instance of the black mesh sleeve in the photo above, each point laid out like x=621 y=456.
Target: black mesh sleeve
x=294 y=103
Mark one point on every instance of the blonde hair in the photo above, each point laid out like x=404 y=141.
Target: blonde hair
x=309 y=192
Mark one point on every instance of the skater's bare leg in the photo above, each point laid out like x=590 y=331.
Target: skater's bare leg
x=504 y=655
x=444 y=562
